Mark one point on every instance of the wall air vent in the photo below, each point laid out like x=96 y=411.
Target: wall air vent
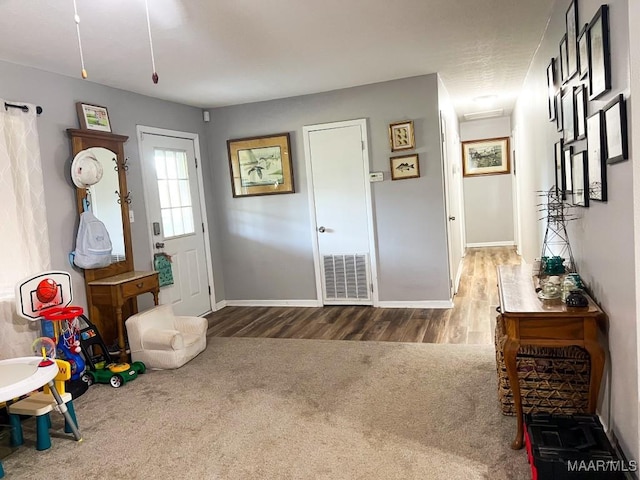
x=346 y=279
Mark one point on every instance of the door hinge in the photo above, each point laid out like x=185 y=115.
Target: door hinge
x=362 y=143
x=209 y=289
x=371 y=287
x=202 y=227
x=196 y=163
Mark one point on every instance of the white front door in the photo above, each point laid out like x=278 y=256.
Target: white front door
x=175 y=215
x=338 y=163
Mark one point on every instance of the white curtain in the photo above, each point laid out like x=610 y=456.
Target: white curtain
x=24 y=242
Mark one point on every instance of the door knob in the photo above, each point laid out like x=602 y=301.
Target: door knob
x=159 y=245
x=322 y=229
x=452 y=218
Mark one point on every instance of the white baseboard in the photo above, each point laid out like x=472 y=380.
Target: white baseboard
x=273 y=303
x=220 y=305
x=491 y=244
x=418 y=304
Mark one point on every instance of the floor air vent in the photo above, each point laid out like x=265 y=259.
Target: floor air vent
x=346 y=278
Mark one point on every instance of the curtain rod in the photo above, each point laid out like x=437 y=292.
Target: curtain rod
x=24 y=108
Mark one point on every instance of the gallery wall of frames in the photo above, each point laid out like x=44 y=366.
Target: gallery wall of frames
x=580 y=74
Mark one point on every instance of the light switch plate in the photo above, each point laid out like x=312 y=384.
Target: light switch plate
x=131 y=220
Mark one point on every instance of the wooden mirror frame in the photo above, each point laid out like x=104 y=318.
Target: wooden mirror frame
x=81 y=140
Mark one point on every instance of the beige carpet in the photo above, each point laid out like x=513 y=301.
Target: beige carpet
x=292 y=409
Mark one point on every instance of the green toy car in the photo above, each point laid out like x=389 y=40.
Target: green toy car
x=115 y=374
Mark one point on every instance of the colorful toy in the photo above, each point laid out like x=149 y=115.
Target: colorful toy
x=102 y=369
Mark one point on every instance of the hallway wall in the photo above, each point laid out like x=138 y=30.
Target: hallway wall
x=602 y=237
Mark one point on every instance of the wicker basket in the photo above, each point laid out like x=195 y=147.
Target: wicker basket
x=552 y=380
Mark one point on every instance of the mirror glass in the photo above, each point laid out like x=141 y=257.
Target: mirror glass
x=104 y=200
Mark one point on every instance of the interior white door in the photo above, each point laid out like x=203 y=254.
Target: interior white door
x=339 y=167
x=174 y=211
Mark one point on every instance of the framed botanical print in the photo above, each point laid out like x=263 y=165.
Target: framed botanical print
x=596 y=159
x=599 y=54
x=580 y=104
x=583 y=52
x=615 y=128
x=571 y=19
x=567 y=172
x=558 y=158
x=401 y=136
x=564 y=61
x=568 y=116
x=551 y=89
x=579 y=179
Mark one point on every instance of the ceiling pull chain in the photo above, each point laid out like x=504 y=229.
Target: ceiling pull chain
x=154 y=77
x=76 y=18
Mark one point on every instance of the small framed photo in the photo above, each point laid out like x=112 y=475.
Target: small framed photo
x=579 y=179
x=261 y=165
x=571 y=18
x=559 y=111
x=406 y=166
x=551 y=87
x=599 y=54
x=568 y=116
x=567 y=172
x=485 y=157
x=93 y=117
x=558 y=147
x=564 y=61
x=596 y=157
x=401 y=136
x=615 y=128
x=580 y=104
x=583 y=52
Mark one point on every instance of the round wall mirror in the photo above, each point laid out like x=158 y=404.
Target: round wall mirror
x=104 y=197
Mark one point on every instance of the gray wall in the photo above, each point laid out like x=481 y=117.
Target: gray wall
x=267 y=240
x=602 y=239
x=57 y=96
x=488 y=199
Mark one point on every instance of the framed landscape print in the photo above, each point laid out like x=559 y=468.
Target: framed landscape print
x=406 y=166
x=580 y=104
x=568 y=116
x=615 y=130
x=596 y=157
x=571 y=18
x=485 y=157
x=599 y=54
x=260 y=165
x=401 y=136
x=579 y=179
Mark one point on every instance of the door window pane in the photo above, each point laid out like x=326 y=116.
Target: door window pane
x=174 y=192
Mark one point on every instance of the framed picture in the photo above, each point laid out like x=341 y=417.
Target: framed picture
x=568 y=116
x=599 y=54
x=580 y=104
x=559 y=111
x=583 y=52
x=261 y=165
x=485 y=157
x=571 y=20
x=579 y=179
x=93 y=117
x=551 y=88
x=567 y=172
x=558 y=147
x=615 y=130
x=401 y=136
x=406 y=166
x=564 y=61
x=596 y=158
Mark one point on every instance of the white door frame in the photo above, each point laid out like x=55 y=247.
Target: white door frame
x=373 y=257
x=140 y=131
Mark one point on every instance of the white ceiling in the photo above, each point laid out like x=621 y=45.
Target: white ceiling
x=212 y=53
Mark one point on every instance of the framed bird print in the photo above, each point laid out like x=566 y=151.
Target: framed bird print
x=261 y=165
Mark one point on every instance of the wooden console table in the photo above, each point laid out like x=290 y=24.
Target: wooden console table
x=531 y=321
x=116 y=290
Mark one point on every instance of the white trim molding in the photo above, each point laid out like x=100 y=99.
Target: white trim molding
x=508 y=243
x=221 y=305
x=272 y=303
x=418 y=304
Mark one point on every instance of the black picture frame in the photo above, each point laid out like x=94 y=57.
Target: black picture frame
x=551 y=88
x=571 y=22
x=615 y=128
x=558 y=154
x=599 y=54
x=580 y=106
x=583 y=52
x=567 y=172
x=568 y=116
x=563 y=60
x=558 y=111
x=579 y=179
x=596 y=157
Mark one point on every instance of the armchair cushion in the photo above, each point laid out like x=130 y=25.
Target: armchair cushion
x=162 y=340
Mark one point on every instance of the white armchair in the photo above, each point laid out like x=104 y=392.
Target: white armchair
x=163 y=340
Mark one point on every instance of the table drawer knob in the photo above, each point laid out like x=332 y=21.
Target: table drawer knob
x=140 y=285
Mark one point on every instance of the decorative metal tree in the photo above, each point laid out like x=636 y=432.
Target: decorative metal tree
x=556 y=240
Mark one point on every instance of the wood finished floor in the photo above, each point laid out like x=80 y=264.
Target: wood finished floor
x=469 y=321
